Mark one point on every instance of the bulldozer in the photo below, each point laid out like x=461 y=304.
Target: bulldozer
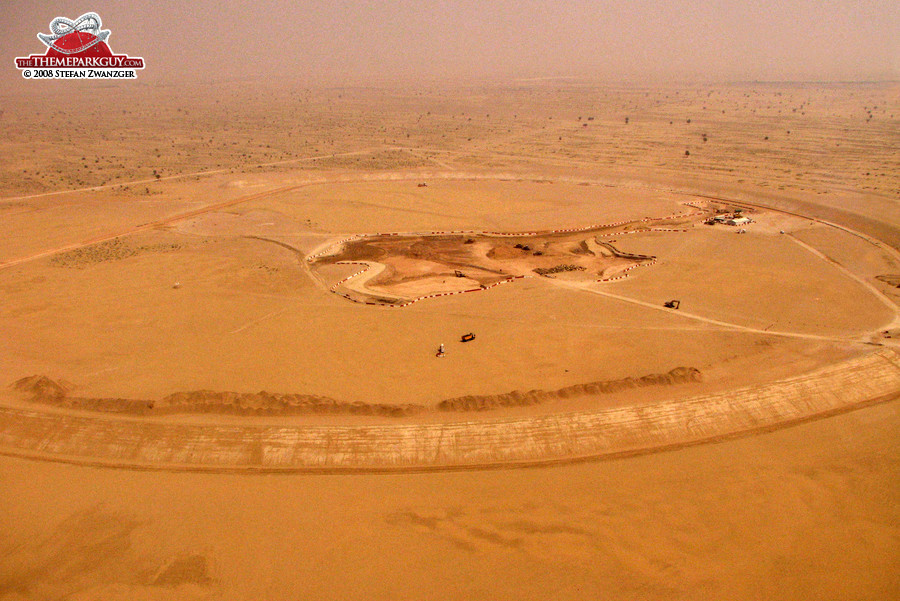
x=672 y=304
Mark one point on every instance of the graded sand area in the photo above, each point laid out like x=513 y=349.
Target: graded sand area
x=805 y=512
x=718 y=402
x=584 y=367
x=557 y=438
x=231 y=300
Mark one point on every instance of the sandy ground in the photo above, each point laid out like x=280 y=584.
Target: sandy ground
x=102 y=432
x=810 y=511
x=176 y=262
x=247 y=317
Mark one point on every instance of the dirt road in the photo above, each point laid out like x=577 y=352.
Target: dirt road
x=477 y=444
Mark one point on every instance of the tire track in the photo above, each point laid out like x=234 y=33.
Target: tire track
x=149 y=226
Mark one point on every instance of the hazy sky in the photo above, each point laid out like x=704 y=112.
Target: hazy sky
x=362 y=41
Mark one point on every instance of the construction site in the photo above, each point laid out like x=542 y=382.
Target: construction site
x=319 y=365
x=401 y=269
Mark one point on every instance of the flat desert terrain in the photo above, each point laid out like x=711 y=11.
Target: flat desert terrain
x=543 y=339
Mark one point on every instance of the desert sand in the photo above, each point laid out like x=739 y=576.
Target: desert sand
x=218 y=376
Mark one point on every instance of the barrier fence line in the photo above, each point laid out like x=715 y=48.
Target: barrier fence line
x=623 y=274
x=481 y=288
x=679 y=215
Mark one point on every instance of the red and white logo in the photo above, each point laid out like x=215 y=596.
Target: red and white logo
x=78 y=49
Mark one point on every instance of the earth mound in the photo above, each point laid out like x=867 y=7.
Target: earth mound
x=42 y=387
x=517 y=398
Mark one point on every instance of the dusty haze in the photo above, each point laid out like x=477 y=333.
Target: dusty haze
x=223 y=287
x=349 y=41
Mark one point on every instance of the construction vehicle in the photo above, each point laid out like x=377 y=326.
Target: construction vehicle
x=468 y=337
x=459 y=274
x=672 y=304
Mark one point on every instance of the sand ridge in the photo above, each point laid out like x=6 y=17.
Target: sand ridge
x=557 y=438
x=44 y=391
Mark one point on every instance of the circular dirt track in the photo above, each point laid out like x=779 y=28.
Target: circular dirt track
x=559 y=438
x=484 y=443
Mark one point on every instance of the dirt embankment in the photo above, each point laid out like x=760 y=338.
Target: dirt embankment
x=41 y=389
x=266 y=403
x=890 y=279
x=517 y=398
x=624 y=255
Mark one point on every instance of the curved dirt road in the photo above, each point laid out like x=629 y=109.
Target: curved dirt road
x=152 y=444
x=466 y=445
x=716 y=322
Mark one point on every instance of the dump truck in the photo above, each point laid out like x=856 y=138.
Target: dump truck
x=468 y=337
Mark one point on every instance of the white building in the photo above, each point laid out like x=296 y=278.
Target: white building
x=732 y=220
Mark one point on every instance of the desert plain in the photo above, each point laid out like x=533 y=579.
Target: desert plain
x=232 y=361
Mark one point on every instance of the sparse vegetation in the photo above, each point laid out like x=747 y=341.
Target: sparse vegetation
x=111 y=250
